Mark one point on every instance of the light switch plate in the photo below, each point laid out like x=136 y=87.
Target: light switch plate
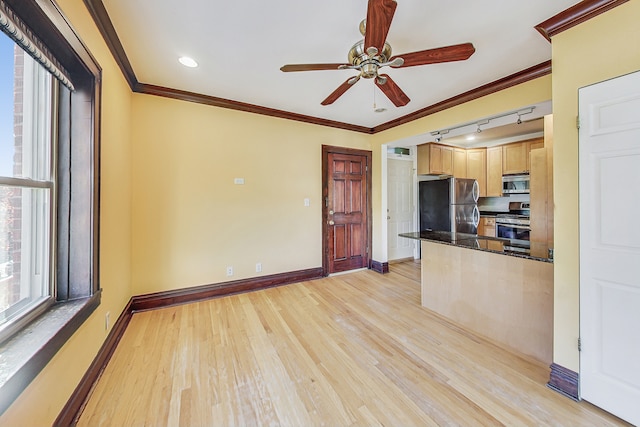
x=238 y=181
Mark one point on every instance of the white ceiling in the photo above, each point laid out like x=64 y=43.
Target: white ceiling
x=241 y=45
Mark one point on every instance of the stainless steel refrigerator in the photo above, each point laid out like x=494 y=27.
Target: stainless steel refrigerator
x=449 y=205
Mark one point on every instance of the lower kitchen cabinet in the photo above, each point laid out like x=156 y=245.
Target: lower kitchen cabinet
x=487 y=226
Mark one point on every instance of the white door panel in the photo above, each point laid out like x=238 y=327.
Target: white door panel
x=400 y=212
x=609 y=149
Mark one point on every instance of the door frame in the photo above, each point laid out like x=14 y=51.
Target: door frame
x=326 y=149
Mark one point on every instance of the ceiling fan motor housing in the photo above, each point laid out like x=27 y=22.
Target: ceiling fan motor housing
x=368 y=65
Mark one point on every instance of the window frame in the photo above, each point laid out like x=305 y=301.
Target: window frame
x=78 y=217
x=38 y=130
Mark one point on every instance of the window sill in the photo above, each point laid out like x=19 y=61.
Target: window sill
x=23 y=356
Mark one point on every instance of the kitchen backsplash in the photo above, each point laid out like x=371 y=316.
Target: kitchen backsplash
x=500 y=204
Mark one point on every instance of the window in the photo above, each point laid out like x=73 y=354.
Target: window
x=26 y=187
x=49 y=188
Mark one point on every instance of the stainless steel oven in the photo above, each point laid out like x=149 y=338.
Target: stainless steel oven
x=513 y=231
x=515 y=225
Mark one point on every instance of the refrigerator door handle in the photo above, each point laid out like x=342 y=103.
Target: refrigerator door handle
x=476 y=191
x=476 y=216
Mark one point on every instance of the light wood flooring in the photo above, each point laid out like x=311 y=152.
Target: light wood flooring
x=354 y=349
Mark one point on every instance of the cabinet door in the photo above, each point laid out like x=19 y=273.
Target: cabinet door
x=490 y=227
x=459 y=163
x=533 y=144
x=494 y=171
x=424 y=158
x=514 y=158
x=477 y=168
x=447 y=160
x=539 y=197
x=435 y=159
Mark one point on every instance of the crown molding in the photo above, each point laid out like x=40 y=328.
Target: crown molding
x=575 y=15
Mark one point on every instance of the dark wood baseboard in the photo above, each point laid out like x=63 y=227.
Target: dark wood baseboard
x=564 y=381
x=199 y=293
x=72 y=410
x=380 y=267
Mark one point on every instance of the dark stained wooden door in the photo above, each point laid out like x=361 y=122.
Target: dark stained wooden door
x=346 y=213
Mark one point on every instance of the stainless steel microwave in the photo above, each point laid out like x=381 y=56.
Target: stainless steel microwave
x=515 y=184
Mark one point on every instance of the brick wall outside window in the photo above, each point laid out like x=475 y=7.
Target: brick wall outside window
x=11 y=210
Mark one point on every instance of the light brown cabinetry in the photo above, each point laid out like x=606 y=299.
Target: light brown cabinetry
x=435 y=159
x=459 y=162
x=542 y=187
x=487 y=226
x=477 y=168
x=514 y=158
x=533 y=144
x=494 y=171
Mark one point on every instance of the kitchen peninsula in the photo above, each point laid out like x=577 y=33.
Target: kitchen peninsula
x=481 y=283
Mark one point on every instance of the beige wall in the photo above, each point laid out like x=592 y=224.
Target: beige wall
x=42 y=401
x=190 y=221
x=597 y=50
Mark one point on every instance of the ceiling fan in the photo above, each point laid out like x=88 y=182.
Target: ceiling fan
x=369 y=55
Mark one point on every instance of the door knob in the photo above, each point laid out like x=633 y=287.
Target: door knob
x=331 y=222
x=330 y=212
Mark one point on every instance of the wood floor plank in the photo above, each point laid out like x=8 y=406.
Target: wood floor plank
x=348 y=350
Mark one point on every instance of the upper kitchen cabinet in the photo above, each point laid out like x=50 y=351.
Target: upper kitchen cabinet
x=514 y=158
x=435 y=159
x=495 y=168
x=477 y=168
x=459 y=162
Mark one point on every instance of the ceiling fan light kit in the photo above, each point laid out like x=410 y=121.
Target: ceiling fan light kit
x=373 y=52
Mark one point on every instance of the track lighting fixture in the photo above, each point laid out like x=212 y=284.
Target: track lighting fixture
x=518 y=113
x=438 y=135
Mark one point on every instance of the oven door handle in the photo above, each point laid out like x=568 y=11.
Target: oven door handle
x=518 y=227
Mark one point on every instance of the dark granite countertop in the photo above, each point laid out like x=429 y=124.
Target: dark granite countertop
x=538 y=251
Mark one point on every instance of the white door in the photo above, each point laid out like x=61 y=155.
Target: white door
x=400 y=212
x=609 y=149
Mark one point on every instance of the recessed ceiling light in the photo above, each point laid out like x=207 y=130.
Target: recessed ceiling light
x=188 y=62
x=471 y=137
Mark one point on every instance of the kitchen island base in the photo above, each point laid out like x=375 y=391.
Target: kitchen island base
x=507 y=299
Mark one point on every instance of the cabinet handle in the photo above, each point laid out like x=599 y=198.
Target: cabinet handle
x=331 y=222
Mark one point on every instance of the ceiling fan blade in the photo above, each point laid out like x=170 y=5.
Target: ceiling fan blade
x=458 y=52
x=310 y=67
x=392 y=90
x=379 y=16
x=340 y=90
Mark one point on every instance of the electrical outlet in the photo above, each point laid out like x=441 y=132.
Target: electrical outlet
x=229 y=271
x=259 y=267
x=107 y=320
x=307 y=202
